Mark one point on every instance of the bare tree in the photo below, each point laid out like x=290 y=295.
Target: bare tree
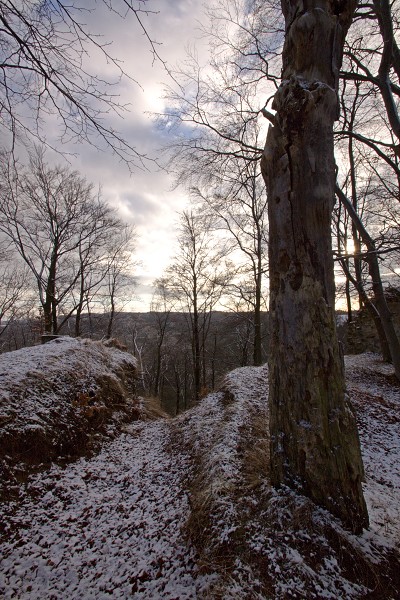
x=369 y=174
x=213 y=115
x=314 y=441
x=15 y=292
x=161 y=307
x=197 y=277
x=236 y=201
x=104 y=265
x=44 y=71
x=385 y=326
x=372 y=60
x=355 y=278
x=119 y=280
x=53 y=218
x=216 y=136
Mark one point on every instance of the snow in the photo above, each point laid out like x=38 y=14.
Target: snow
x=35 y=380
x=377 y=404
x=182 y=508
x=55 y=398
x=105 y=527
x=341 y=319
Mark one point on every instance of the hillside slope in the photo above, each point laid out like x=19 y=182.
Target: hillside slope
x=58 y=401
x=181 y=508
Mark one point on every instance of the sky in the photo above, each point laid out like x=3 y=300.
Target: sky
x=145 y=198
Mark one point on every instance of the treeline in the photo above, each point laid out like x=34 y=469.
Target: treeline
x=217 y=140
x=63 y=251
x=163 y=344
x=61 y=247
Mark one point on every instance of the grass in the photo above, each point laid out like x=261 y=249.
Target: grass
x=272 y=543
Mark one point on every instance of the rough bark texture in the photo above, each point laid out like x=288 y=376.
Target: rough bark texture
x=314 y=440
x=257 y=344
x=386 y=326
x=371 y=308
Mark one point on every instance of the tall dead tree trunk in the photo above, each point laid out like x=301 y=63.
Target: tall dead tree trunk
x=314 y=441
x=370 y=307
x=257 y=343
x=385 y=316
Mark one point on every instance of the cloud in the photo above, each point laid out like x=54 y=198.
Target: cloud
x=145 y=196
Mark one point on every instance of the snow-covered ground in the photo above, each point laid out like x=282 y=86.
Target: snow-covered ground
x=377 y=403
x=180 y=508
x=105 y=527
x=58 y=400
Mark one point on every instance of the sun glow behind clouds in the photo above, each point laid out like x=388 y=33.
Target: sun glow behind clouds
x=142 y=198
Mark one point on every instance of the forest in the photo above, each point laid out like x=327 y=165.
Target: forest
x=281 y=128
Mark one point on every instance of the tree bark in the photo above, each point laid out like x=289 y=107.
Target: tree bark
x=371 y=258
x=49 y=305
x=257 y=346
x=78 y=315
x=47 y=317
x=196 y=343
x=162 y=324
x=348 y=300
x=111 y=316
x=371 y=308
x=314 y=441
x=354 y=231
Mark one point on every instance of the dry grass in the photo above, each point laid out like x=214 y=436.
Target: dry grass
x=267 y=541
x=150 y=409
x=217 y=522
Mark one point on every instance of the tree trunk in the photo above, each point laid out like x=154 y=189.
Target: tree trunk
x=354 y=200
x=89 y=313
x=156 y=388
x=54 y=317
x=50 y=305
x=78 y=315
x=79 y=307
x=47 y=317
x=384 y=313
x=178 y=387
x=314 y=441
x=110 y=323
x=112 y=313
x=257 y=357
x=371 y=308
x=348 y=301
x=371 y=258
x=203 y=355
x=213 y=358
x=196 y=346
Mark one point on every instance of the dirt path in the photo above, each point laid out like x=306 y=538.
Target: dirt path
x=114 y=525
x=105 y=527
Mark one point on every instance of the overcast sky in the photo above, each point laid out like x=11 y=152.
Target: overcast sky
x=144 y=198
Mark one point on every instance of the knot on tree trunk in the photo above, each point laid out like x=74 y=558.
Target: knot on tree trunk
x=297 y=97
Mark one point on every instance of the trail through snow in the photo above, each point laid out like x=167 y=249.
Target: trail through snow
x=114 y=525
x=109 y=526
